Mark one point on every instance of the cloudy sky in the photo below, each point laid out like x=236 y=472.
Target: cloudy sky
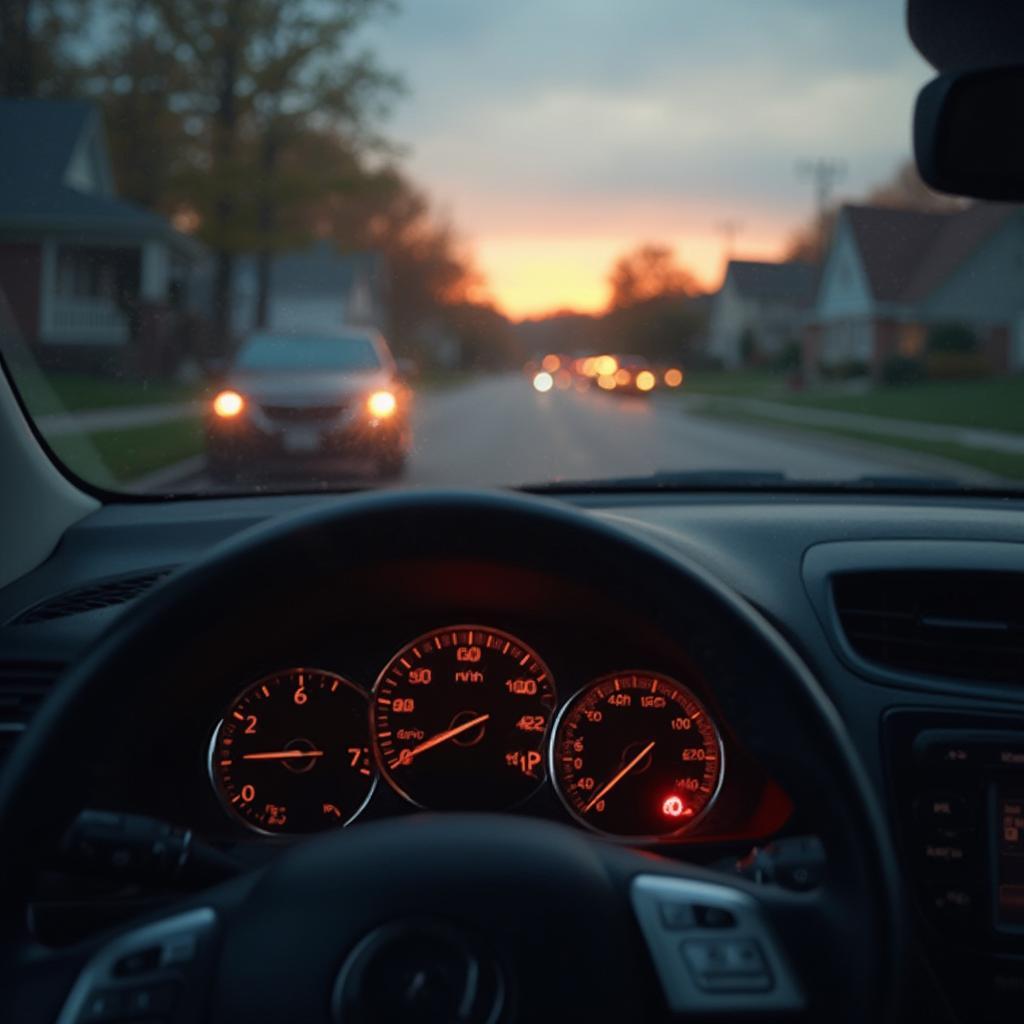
x=557 y=133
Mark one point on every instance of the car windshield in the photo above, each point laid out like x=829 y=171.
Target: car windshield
x=579 y=244
x=272 y=353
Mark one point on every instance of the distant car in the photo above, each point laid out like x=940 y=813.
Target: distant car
x=309 y=396
x=634 y=376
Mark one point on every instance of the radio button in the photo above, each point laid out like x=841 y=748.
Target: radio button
x=947 y=854
x=942 y=810
x=951 y=903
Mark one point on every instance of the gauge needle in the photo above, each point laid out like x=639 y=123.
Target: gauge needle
x=407 y=755
x=282 y=755
x=619 y=775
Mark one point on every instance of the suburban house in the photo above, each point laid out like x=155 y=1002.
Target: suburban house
x=759 y=310
x=892 y=275
x=318 y=288
x=87 y=276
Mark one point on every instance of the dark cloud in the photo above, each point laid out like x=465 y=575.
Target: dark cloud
x=605 y=99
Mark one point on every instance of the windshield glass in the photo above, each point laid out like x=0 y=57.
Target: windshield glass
x=576 y=243
x=269 y=353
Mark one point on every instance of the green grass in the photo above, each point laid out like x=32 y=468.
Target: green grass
x=66 y=392
x=737 y=384
x=993 y=403
x=118 y=456
x=1002 y=464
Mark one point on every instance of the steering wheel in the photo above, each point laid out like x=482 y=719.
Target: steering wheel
x=459 y=918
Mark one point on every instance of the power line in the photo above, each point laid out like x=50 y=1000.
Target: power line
x=729 y=229
x=824 y=174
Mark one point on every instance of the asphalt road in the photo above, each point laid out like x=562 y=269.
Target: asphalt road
x=498 y=430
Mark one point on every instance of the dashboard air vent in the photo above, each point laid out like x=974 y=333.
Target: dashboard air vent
x=23 y=688
x=103 y=593
x=959 y=624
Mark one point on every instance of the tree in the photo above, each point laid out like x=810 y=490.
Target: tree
x=647 y=272
x=255 y=77
x=294 y=89
x=34 y=53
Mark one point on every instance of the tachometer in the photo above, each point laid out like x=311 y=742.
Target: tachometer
x=460 y=719
x=292 y=753
x=636 y=755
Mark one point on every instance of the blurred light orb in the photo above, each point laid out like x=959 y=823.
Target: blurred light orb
x=673 y=377
x=381 y=404
x=645 y=380
x=228 y=404
x=543 y=381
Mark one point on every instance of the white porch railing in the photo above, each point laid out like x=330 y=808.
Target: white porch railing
x=86 y=321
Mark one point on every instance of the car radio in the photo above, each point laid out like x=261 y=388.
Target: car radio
x=958 y=809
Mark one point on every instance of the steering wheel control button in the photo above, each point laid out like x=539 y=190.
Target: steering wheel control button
x=727 y=965
x=677 y=917
x=142 y=962
x=127 y=980
x=728 y=962
x=714 y=917
x=102 y=1006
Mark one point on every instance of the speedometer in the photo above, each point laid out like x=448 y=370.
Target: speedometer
x=636 y=755
x=460 y=719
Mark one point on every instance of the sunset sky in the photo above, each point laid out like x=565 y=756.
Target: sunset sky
x=558 y=133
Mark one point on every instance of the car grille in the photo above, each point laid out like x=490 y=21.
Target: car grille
x=303 y=413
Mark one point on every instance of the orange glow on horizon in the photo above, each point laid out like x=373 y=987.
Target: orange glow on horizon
x=538 y=274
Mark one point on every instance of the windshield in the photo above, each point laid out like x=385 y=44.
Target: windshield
x=270 y=353
x=578 y=244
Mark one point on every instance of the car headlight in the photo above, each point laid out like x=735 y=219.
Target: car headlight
x=228 y=404
x=381 y=405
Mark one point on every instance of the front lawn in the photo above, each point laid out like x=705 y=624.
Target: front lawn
x=993 y=403
x=120 y=456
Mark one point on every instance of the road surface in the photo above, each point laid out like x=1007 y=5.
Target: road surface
x=498 y=430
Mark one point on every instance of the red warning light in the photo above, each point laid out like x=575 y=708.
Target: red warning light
x=673 y=807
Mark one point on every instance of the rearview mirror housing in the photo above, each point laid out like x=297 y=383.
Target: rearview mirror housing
x=968 y=137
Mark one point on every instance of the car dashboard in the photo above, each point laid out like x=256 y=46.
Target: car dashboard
x=483 y=687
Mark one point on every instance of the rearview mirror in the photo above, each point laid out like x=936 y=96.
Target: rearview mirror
x=968 y=137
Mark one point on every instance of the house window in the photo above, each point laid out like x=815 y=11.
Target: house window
x=84 y=273
x=911 y=340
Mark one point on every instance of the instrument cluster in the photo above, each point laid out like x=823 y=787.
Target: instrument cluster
x=468 y=718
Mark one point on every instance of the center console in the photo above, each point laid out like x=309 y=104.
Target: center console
x=958 y=801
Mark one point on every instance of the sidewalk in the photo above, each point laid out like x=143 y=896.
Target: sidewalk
x=968 y=437
x=90 y=421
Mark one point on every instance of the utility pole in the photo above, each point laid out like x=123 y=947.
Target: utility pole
x=824 y=175
x=729 y=229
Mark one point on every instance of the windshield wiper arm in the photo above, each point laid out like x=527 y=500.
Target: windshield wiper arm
x=668 y=480
x=741 y=479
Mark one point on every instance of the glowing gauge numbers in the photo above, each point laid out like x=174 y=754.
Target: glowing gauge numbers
x=292 y=753
x=636 y=755
x=460 y=719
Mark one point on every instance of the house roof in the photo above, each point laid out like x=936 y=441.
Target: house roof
x=39 y=140
x=791 y=282
x=907 y=254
